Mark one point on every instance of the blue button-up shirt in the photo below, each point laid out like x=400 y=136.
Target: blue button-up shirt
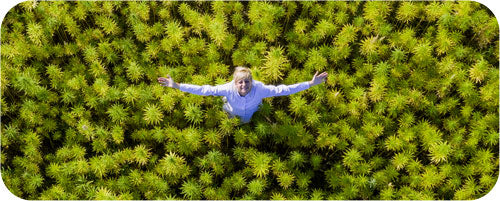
x=244 y=106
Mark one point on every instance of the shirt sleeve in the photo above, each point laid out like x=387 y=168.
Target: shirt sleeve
x=205 y=90
x=283 y=90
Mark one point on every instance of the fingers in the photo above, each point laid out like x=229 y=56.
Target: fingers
x=164 y=81
x=323 y=76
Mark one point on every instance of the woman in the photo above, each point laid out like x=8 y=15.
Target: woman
x=243 y=95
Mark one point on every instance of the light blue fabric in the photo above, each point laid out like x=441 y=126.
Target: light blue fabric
x=244 y=106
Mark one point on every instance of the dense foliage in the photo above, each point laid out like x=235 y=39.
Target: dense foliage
x=409 y=110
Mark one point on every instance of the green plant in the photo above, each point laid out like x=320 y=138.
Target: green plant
x=285 y=180
x=256 y=186
x=152 y=114
x=275 y=64
x=191 y=190
x=193 y=114
x=260 y=164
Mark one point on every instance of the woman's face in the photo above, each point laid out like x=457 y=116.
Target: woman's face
x=243 y=85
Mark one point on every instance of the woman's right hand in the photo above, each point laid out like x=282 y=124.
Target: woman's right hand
x=168 y=82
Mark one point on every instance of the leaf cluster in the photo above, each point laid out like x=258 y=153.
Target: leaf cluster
x=409 y=109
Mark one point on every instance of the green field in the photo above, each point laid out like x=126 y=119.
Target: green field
x=410 y=109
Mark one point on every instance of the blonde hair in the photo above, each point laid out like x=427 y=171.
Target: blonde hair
x=241 y=72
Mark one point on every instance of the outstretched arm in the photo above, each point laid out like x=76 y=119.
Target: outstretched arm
x=284 y=90
x=205 y=90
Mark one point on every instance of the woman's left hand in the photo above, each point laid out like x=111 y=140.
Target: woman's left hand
x=318 y=79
